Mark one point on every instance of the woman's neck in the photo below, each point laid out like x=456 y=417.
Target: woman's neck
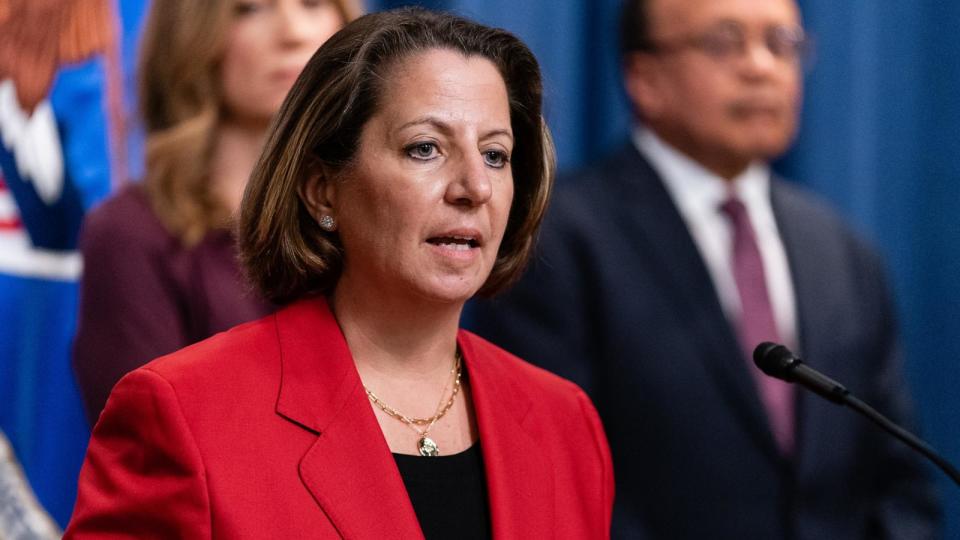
x=392 y=336
x=405 y=352
x=235 y=152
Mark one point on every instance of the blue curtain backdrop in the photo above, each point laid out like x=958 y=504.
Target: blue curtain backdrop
x=880 y=138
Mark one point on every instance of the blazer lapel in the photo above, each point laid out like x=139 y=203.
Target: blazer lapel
x=349 y=470
x=817 y=307
x=663 y=238
x=519 y=479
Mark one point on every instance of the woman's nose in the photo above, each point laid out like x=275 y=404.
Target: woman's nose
x=293 y=25
x=471 y=185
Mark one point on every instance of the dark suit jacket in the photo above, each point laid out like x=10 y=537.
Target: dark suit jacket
x=265 y=431
x=619 y=300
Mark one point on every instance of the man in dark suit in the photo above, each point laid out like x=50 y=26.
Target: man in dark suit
x=661 y=268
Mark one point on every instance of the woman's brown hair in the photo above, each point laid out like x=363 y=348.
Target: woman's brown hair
x=181 y=105
x=285 y=252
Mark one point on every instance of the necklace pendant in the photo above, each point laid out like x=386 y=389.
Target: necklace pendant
x=427 y=447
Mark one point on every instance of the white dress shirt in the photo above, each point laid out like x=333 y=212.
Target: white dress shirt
x=698 y=195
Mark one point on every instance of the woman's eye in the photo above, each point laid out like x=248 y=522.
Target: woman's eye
x=423 y=151
x=495 y=158
x=246 y=7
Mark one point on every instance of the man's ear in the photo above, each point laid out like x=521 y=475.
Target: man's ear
x=641 y=73
x=319 y=192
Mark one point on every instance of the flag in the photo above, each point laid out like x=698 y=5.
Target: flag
x=61 y=150
x=20 y=514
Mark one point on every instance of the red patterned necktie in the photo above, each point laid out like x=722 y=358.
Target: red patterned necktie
x=757 y=323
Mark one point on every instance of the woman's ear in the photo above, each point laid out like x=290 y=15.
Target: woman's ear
x=319 y=194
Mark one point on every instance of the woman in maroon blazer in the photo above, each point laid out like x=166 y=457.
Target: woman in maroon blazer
x=408 y=170
x=159 y=257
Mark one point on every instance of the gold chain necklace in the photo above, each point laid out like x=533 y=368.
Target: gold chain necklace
x=425 y=445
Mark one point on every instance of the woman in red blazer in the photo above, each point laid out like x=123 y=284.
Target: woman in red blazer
x=408 y=170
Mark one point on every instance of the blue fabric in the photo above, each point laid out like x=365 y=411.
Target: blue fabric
x=132 y=16
x=41 y=412
x=878 y=139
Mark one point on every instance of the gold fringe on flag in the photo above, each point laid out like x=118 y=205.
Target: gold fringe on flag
x=38 y=36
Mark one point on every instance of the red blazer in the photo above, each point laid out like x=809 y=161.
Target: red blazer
x=265 y=431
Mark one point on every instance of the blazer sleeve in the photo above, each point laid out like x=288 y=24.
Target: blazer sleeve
x=130 y=311
x=143 y=476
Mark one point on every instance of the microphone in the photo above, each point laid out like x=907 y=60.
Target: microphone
x=779 y=362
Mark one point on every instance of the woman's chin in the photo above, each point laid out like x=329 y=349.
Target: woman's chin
x=449 y=291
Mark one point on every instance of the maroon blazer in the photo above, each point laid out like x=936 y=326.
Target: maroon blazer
x=265 y=431
x=144 y=294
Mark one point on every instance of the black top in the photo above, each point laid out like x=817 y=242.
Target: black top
x=449 y=493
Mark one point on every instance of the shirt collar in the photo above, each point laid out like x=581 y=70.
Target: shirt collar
x=693 y=187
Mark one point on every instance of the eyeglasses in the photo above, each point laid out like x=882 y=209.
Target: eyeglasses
x=729 y=42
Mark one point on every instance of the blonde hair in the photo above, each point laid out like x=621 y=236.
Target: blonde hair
x=285 y=252
x=180 y=102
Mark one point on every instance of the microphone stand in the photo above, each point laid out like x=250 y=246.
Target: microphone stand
x=909 y=438
x=779 y=362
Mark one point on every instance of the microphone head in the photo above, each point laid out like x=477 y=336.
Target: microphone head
x=775 y=360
